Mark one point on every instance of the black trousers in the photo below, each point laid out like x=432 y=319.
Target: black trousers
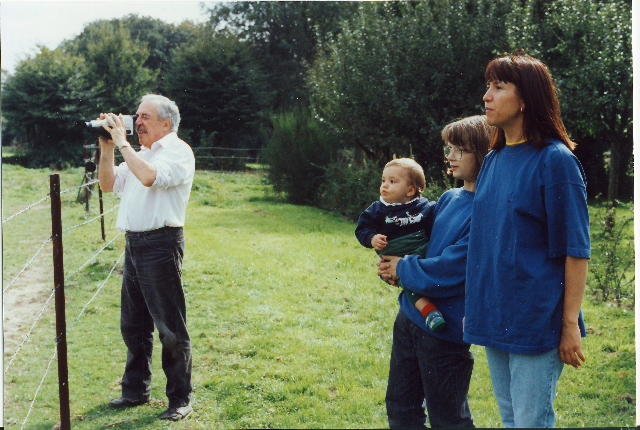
x=152 y=294
x=427 y=371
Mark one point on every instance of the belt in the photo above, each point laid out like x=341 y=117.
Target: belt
x=151 y=232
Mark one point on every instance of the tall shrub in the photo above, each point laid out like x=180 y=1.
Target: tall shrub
x=220 y=90
x=350 y=187
x=613 y=259
x=297 y=153
x=42 y=103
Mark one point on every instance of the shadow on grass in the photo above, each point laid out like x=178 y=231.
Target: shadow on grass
x=278 y=199
x=105 y=416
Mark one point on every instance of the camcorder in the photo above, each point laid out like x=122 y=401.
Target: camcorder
x=95 y=127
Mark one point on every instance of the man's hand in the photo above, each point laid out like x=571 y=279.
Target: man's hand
x=570 y=348
x=104 y=142
x=379 y=242
x=387 y=269
x=117 y=130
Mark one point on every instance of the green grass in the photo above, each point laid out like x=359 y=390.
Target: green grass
x=290 y=326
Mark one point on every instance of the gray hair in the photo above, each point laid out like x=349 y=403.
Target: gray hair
x=166 y=109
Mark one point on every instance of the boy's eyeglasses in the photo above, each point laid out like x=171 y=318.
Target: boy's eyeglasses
x=457 y=152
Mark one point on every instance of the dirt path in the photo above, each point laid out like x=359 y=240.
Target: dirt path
x=24 y=299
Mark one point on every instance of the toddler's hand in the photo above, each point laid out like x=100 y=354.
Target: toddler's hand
x=379 y=242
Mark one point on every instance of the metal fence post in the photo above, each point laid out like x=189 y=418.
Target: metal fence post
x=61 y=324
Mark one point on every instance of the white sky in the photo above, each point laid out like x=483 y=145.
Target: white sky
x=27 y=23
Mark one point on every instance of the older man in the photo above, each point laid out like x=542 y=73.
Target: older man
x=154 y=186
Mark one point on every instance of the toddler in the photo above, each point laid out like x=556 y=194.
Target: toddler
x=400 y=224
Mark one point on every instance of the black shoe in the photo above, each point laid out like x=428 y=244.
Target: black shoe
x=176 y=414
x=123 y=402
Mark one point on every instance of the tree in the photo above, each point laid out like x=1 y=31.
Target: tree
x=399 y=72
x=286 y=35
x=159 y=38
x=587 y=46
x=48 y=95
x=116 y=68
x=220 y=90
x=43 y=101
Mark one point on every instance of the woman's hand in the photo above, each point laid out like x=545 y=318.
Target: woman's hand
x=575 y=275
x=387 y=269
x=570 y=348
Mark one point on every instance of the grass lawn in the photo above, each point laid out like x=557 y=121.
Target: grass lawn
x=290 y=326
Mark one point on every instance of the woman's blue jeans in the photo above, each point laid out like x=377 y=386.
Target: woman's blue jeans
x=525 y=386
x=152 y=294
x=427 y=371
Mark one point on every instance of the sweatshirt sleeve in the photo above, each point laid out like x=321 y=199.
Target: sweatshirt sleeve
x=441 y=276
x=566 y=205
x=366 y=228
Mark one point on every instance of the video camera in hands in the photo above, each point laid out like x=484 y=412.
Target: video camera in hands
x=95 y=127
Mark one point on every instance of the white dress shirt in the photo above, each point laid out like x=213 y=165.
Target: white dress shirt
x=165 y=202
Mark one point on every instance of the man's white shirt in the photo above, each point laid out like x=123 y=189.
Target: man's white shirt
x=164 y=203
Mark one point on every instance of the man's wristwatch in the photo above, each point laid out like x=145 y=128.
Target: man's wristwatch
x=123 y=145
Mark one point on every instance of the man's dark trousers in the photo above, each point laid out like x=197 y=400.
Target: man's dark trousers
x=152 y=293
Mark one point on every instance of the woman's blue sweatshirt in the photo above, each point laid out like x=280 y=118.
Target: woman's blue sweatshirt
x=441 y=274
x=529 y=213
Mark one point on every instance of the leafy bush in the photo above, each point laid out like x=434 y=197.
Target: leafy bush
x=297 y=153
x=613 y=259
x=350 y=187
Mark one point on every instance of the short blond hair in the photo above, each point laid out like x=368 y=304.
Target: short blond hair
x=414 y=171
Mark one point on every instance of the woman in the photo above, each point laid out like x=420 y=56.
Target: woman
x=426 y=367
x=529 y=244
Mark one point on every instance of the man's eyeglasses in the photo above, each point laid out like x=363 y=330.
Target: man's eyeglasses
x=457 y=152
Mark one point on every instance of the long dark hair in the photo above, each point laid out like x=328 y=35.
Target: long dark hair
x=542 y=119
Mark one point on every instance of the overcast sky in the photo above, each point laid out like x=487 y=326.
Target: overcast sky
x=27 y=23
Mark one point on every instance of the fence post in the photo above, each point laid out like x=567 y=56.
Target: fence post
x=100 y=193
x=61 y=324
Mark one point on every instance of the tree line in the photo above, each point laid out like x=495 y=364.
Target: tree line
x=327 y=92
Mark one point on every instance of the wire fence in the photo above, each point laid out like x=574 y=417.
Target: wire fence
x=85 y=192
x=213 y=153
x=32 y=261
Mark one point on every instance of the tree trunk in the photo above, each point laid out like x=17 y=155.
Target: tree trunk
x=614 y=172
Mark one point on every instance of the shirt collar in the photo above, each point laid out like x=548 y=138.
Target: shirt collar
x=165 y=141
x=398 y=204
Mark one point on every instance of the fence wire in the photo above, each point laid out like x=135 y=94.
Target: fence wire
x=45 y=198
x=30 y=330
x=227 y=149
x=28 y=264
x=40 y=314
x=92 y=219
x=27 y=208
x=225 y=157
x=55 y=352
x=93 y=193
x=96 y=293
x=92 y=257
x=79 y=186
x=68 y=330
x=51 y=295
